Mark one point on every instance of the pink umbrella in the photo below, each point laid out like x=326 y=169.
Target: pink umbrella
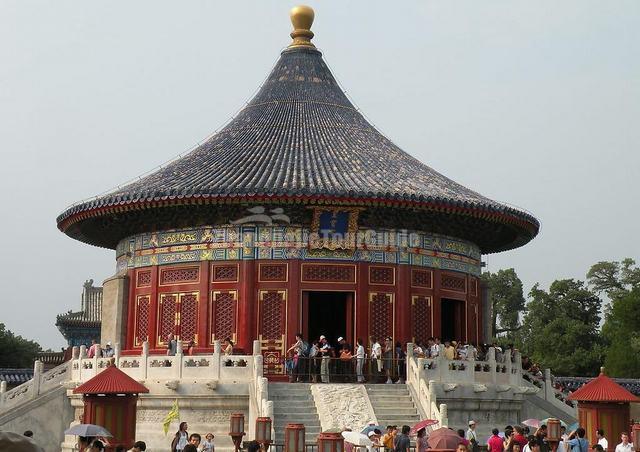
x=533 y=423
x=444 y=438
x=422 y=424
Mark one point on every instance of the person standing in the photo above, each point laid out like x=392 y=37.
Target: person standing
x=207 y=445
x=172 y=345
x=472 y=437
x=402 y=442
x=138 y=446
x=577 y=441
x=360 y=353
x=387 y=358
x=601 y=439
x=181 y=438
x=495 y=443
x=108 y=351
x=625 y=445
x=376 y=358
x=92 y=349
x=421 y=441
x=325 y=353
x=228 y=348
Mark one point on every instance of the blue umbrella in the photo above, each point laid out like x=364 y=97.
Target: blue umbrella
x=370 y=428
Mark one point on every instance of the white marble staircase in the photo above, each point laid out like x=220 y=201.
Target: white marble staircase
x=293 y=403
x=393 y=405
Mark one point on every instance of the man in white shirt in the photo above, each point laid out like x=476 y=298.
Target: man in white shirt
x=625 y=445
x=472 y=437
x=360 y=354
x=435 y=348
x=376 y=357
x=601 y=439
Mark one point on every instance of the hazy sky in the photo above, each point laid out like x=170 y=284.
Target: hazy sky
x=532 y=103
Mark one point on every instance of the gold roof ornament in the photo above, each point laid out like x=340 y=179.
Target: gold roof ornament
x=302 y=19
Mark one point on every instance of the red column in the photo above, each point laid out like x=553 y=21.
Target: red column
x=294 y=314
x=153 y=308
x=437 y=304
x=403 y=304
x=247 y=302
x=362 y=302
x=131 y=311
x=203 y=305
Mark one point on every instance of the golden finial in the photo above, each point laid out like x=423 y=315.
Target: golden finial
x=302 y=19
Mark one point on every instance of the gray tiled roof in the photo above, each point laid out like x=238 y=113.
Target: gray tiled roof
x=16 y=376
x=299 y=136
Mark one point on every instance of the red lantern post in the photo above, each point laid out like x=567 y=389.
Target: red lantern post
x=263 y=432
x=236 y=430
x=635 y=433
x=294 y=435
x=553 y=433
x=330 y=442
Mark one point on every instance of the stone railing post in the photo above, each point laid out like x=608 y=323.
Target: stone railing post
x=3 y=390
x=549 y=393
x=491 y=360
x=256 y=348
x=444 y=415
x=83 y=351
x=517 y=366
x=507 y=362
x=258 y=362
x=177 y=361
x=75 y=352
x=217 y=359
x=432 y=397
x=116 y=352
x=37 y=377
x=144 y=357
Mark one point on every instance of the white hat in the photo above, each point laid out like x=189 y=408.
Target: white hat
x=371 y=433
x=340 y=338
x=322 y=337
x=109 y=343
x=472 y=422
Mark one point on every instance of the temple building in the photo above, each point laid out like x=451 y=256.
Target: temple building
x=79 y=327
x=298 y=216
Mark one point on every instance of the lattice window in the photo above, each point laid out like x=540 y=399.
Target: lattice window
x=273 y=272
x=224 y=312
x=189 y=317
x=454 y=283
x=420 y=318
x=273 y=314
x=179 y=275
x=167 y=320
x=382 y=275
x=143 y=278
x=381 y=315
x=329 y=273
x=222 y=273
x=421 y=278
x=142 y=319
x=474 y=287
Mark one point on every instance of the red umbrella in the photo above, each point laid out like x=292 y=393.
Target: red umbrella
x=443 y=438
x=422 y=424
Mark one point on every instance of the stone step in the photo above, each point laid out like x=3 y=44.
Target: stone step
x=409 y=411
x=385 y=387
x=291 y=397
x=298 y=418
x=293 y=409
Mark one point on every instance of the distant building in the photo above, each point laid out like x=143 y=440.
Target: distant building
x=79 y=327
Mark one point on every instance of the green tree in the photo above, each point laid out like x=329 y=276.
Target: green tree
x=621 y=329
x=560 y=328
x=615 y=279
x=15 y=351
x=621 y=332
x=506 y=299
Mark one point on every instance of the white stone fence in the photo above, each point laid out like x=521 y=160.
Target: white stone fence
x=506 y=372
x=215 y=367
x=41 y=383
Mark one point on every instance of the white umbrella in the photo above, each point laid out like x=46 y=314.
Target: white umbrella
x=357 y=439
x=88 y=430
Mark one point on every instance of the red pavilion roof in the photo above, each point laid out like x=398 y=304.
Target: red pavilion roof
x=603 y=389
x=111 y=381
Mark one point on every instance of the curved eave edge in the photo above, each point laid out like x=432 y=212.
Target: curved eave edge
x=509 y=216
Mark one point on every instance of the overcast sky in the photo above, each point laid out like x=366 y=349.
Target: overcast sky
x=532 y=103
